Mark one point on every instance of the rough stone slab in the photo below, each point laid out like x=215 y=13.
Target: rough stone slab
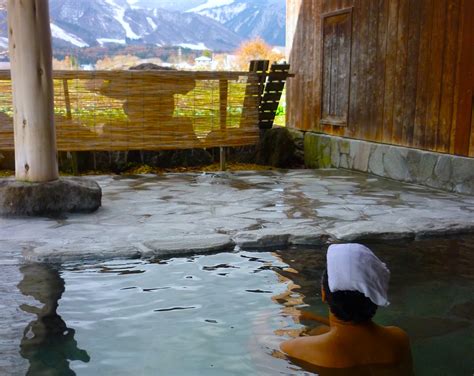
x=376 y=158
x=51 y=198
x=281 y=237
x=426 y=166
x=81 y=252
x=265 y=238
x=361 y=157
x=308 y=236
x=463 y=170
x=189 y=244
x=370 y=230
x=443 y=227
x=395 y=163
x=146 y=216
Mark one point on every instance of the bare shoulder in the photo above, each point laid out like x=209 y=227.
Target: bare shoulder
x=398 y=335
x=312 y=348
x=293 y=346
x=400 y=341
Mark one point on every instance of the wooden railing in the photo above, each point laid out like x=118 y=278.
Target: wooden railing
x=146 y=110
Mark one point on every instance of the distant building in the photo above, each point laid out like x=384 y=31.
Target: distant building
x=203 y=61
x=87 y=67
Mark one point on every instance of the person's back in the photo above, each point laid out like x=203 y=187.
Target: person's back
x=364 y=346
x=354 y=344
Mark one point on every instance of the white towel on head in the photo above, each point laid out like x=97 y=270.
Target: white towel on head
x=354 y=267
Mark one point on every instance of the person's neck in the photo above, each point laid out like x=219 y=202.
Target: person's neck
x=334 y=322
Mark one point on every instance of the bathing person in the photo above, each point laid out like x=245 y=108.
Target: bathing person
x=354 y=285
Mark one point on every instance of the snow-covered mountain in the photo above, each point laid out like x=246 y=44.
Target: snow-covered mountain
x=220 y=25
x=180 y=5
x=92 y=22
x=209 y=4
x=249 y=18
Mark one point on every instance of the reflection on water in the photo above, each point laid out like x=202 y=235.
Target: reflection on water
x=48 y=344
x=229 y=312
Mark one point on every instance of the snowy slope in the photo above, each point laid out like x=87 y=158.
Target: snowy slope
x=98 y=22
x=249 y=18
x=59 y=33
x=119 y=14
x=176 y=5
x=210 y=4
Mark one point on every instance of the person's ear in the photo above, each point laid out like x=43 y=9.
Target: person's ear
x=323 y=295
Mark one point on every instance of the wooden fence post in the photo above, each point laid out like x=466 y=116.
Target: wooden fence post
x=67 y=99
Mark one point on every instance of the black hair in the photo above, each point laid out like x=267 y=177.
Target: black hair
x=350 y=306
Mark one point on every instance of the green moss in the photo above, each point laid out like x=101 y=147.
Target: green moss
x=317 y=151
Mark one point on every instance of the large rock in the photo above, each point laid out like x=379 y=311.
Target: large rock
x=278 y=148
x=298 y=140
x=48 y=199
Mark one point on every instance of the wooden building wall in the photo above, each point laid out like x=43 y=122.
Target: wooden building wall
x=411 y=71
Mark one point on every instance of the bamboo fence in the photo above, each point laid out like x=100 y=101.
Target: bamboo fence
x=146 y=110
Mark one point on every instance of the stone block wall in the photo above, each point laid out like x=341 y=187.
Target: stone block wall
x=436 y=170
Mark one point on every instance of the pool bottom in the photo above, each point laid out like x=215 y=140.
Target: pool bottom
x=226 y=314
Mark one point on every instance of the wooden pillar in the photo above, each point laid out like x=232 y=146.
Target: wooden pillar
x=33 y=101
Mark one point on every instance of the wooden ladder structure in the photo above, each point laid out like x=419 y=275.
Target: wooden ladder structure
x=271 y=88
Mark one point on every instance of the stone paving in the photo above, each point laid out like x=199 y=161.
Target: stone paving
x=148 y=215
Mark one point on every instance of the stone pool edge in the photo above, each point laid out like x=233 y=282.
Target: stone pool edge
x=246 y=240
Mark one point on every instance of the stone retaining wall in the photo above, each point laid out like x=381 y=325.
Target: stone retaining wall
x=436 y=170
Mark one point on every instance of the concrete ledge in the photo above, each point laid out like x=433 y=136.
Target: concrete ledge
x=51 y=198
x=435 y=170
